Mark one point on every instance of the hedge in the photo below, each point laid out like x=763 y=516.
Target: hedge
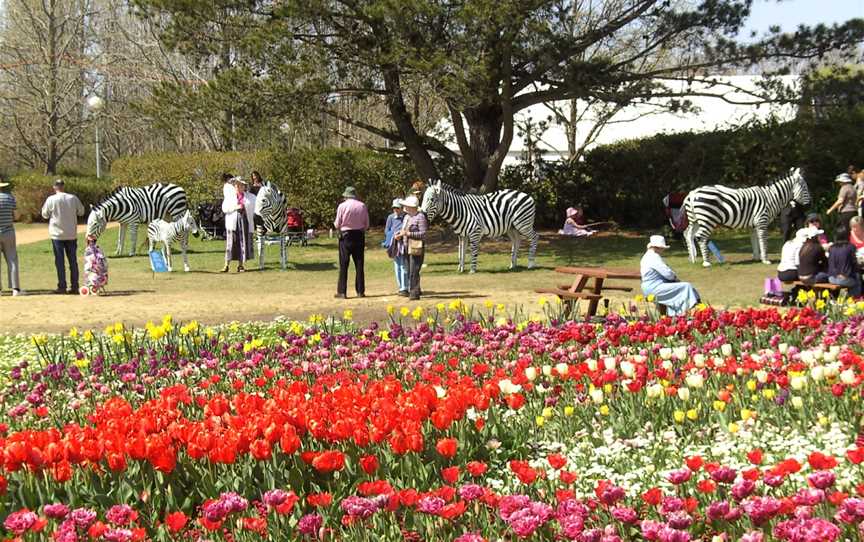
x=32 y=189
x=313 y=180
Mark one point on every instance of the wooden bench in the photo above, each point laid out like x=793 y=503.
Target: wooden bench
x=579 y=288
x=818 y=286
x=564 y=293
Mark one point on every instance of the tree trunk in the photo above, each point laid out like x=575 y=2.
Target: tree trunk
x=484 y=136
x=402 y=118
x=51 y=157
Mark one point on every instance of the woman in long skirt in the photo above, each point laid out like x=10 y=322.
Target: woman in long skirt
x=659 y=280
x=239 y=217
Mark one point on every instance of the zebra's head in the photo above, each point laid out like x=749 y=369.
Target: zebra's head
x=432 y=201
x=800 y=192
x=187 y=222
x=96 y=222
x=270 y=206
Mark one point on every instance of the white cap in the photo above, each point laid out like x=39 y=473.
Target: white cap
x=802 y=234
x=411 y=201
x=397 y=204
x=814 y=232
x=657 y=241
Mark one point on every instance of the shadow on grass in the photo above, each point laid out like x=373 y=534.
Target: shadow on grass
x=313 y=266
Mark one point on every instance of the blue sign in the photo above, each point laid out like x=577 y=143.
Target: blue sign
x=157 y=262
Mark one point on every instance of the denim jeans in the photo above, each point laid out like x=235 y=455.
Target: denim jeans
x=69 y=248
x=10 y=253
x=853 y=283
x=400 y=266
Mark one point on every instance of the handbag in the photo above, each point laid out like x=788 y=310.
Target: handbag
x=773 y=286
x=415 y=247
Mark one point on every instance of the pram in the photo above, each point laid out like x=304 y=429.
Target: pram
x=297 y=232
x=211 y=220
x=95 y=270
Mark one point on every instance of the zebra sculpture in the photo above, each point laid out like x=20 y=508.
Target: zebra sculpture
x=133 y=206
x=504 y=212
x=710 y=206
x=271 y=206
x=171 y=232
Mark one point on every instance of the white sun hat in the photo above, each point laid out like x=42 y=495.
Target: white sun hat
x=411 y=201
x=397 y=204
x=657 y=241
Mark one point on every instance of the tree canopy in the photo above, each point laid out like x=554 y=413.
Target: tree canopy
x=482 y=61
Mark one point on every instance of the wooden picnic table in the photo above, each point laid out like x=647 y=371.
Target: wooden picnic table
x=594 y=294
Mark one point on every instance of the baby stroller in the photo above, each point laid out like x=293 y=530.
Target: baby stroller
x=296 y=227
x=95 y=270
x=673 y=208
x=211 y=220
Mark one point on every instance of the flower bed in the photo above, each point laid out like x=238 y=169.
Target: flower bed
x=454 y=425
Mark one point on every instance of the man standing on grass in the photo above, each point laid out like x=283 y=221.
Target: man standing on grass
x=7 y=236
x=352 y=221
x=62 y=211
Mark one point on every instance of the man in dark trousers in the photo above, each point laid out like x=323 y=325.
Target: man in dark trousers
x=791 y=220
x=352 y=221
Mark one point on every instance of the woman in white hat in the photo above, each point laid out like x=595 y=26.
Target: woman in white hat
x=846 y=204
x=787 y=270
x=239 y=211
x=413 y=236
x=659 y=280
x=395 y=249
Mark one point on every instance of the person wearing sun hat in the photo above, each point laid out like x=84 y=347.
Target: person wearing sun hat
x=352 y=221
x=846 y=204
x=394 y=248
x=659 y=280
x=239 y=209
x=413 y=236
x=7 y=235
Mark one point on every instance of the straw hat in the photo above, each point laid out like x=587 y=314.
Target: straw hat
x=397 y=204
x=657 y=241
x=843 y=178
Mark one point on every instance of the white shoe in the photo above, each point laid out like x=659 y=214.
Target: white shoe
x=16 y=293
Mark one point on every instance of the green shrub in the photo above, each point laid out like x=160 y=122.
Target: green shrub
x=312 y=179
x=32 y=189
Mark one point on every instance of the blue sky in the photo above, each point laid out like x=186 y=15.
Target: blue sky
x=790 y=13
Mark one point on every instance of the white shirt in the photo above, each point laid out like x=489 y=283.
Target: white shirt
x=789 y=256
x=229 y=207
x=62 y=211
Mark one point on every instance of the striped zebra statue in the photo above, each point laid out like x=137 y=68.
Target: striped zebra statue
x=132 y=206
x=271 y=207
x=160 y=231
x=500 y=213
x=756 y=207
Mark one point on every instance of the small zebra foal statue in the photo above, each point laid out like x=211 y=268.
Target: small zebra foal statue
x=756 y=207
x=500 y=213
x=160 y=231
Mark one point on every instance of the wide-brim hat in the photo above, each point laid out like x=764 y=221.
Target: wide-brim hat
x=657 y=241
x=571 y=211
x=397 y=203
x=241 y=180
x=843 y=178
x=802 y=234
x=411 y=201
x=814 y=232
x=349 y=192
x=4 y=185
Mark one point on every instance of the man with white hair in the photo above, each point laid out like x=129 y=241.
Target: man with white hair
x=62 y=211
x=660 y=281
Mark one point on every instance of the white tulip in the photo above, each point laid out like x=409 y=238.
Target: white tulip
x=847 y=376
x=783 y=348
x=654 y=390
x=761 y=376
x=680 y=352
x=547 y=370
x=440 y=392
x=832 y=370
x=684 y=394
x=592 y=364
x=665 y=353
x=798 y=382
x=628 y=369
x=562 y=369
x=609 y=364
x=756 y=357
x=807 y=357
x=831 y=355
x=797 y=402
x=726 y=349
x=817 y=373
x=699 y=360
x=596 y=396
x=835 y=349
x=718 y=362
x=530 y=373
x=667 y=365
x=694 y=380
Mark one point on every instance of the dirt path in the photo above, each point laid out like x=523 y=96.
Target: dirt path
x=36 y=234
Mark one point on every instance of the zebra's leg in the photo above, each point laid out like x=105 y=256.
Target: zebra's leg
x=474 y=242
x=514 y=247
x=701 y=237
x=133 y=233
x=167 y=246
x=184 y=246
x=260 y=252
x=762 y=235
x=283 y=252
x=531 y=235
x=121 y=238
x=754 y=243
x=691 y=244
x=463 y=240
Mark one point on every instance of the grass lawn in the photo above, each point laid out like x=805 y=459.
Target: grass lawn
x=307 y=287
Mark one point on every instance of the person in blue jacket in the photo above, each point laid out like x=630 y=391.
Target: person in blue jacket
x=394 y=247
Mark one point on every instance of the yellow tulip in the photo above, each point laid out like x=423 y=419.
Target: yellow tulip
x=542 y=301
x=604 y=410
x=733 y=428
x=650 y=298
x=823 y=420
x=768 y=393
x=679 y=415
x=692 y=414
x=73 y=332
x=547 y=412
x=569 y=410
x=746 y=414
x=719 y=406
x=539 y=420
x=751 y=385
x=347 y=314
x=639 y=298
x=390 y=310
x=404 y=311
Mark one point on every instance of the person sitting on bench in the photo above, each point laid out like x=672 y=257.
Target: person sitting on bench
x=659 y=280
x=787 y=271
x=812 y=263
x=842 y=265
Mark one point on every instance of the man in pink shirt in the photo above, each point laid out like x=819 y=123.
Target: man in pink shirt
x=352 y=221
